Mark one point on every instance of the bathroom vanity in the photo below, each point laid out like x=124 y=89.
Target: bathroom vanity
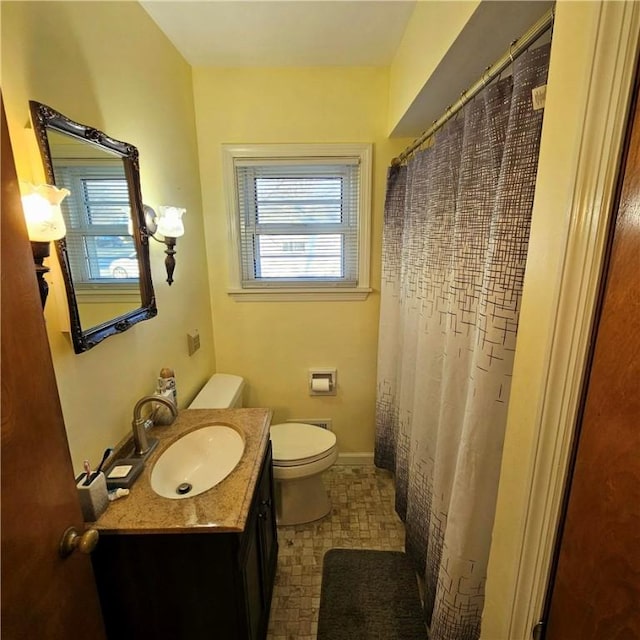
x=198 y=567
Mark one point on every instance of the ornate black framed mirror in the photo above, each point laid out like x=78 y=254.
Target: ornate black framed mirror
x=105 y=255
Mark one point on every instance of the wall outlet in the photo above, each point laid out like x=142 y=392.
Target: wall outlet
x=325 y=423
x=193 y=341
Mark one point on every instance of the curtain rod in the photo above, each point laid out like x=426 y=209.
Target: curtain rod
x=516 y=48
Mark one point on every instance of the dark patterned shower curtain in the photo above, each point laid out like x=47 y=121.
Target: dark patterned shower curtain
x=456 y=230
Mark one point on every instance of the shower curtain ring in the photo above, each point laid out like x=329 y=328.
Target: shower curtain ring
x=485 y=77
x=513 y=43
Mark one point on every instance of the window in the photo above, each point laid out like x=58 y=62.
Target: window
x=299 y=220
x=97 y=215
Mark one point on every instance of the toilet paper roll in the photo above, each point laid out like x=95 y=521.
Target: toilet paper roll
x=320 y=385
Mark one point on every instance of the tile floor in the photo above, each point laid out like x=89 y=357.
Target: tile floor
x=362 y=517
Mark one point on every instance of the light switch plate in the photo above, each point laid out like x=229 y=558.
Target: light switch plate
x=193 y=341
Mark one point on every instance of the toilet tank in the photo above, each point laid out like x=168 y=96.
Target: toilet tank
x=222 y=391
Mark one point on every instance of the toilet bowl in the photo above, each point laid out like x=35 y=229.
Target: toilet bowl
x=301 y=452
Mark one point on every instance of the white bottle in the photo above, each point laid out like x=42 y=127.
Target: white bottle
x=167 y=382
x=167 y=388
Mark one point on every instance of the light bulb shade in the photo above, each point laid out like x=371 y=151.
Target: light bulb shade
x=170 y=221
x=41 y=206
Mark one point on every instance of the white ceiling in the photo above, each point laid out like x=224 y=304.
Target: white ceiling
x=301 y=33
x=268 y=33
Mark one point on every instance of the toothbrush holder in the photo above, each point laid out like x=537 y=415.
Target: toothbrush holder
x=93 y=496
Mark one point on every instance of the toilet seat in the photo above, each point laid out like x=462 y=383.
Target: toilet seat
x=295 y=444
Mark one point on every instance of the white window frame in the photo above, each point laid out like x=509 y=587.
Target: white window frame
x=298 y=152
x=98 y=290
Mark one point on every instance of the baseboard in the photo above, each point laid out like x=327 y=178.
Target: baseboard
x=355 y=459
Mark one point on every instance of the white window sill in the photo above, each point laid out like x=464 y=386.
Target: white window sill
x=300 y=295
x=108 y=294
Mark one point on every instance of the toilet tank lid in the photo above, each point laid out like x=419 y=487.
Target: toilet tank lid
x=220 y=392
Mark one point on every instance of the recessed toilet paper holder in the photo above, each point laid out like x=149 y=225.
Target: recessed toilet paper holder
x=322 y=382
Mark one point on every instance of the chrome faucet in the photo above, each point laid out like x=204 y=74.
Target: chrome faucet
x=143 y=445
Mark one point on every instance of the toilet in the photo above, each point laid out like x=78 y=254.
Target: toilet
x=301 y=452
x=222 y=391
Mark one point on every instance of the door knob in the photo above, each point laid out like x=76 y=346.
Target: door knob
x=84 y=542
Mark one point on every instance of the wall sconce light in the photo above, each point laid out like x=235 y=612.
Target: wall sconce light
x=168 y=223
x=41 y=207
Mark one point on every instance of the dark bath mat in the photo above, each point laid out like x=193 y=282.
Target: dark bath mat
x=369 y=595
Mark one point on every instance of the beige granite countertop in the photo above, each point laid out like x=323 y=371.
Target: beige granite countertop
x=224 y=507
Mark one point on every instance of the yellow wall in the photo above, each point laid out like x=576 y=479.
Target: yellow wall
x=432 y=29
x=106 y=64
x=273 y=344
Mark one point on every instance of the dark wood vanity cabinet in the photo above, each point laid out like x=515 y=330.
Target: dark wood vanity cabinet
x=259 y=554
x=192 y=586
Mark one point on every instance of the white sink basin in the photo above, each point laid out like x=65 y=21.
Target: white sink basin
x=197 y=462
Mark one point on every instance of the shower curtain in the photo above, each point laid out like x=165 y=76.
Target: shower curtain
x=456 y=229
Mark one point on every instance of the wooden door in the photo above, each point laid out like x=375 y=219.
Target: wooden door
x=43 y=596
x=595 y=593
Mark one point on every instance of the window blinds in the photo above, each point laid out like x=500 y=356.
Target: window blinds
x=97 y=215
x=298 y=222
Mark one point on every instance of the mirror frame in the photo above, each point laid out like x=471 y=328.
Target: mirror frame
x=44 y=118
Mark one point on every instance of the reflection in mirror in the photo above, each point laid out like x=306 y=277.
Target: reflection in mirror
x=102 y=255
x=105 y=254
